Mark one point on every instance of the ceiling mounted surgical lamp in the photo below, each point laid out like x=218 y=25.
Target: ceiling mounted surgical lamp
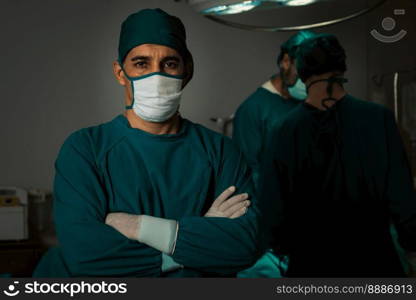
x=216 y=9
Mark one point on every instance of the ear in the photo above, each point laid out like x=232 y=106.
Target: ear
x=285 y=62
x=119 y=74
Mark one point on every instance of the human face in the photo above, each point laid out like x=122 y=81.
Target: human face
x=146 y=59
x=288 y=70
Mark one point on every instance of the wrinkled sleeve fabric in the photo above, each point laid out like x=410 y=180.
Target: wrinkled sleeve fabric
x=399 y=188
x=247 y=135
x=221 y=245
x=275 y=185
x=90 y=247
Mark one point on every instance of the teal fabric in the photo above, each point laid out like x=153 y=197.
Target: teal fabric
x=341 y=178
x=115 y=168
x=152 y=26
x=291 y=45
x=168 y=264
x=267 y=266
x=52 y=264
x=254 y=122
x=253 y=125
x=400 y=250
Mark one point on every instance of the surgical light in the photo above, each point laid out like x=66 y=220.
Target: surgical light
x=229 y=9
x=211 y=9
x=299 y=2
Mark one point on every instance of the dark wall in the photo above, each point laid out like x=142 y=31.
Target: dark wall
x=56 y=74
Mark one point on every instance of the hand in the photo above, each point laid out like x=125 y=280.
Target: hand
x=127 y=224
x=226 y=207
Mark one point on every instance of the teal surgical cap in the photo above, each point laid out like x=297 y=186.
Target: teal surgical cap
x=153 y=26
x=320 y=54
x=290 y=46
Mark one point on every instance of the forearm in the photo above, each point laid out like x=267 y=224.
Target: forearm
x=93 y=249
x=207 y=243
x=158 y=233
x=217 y=245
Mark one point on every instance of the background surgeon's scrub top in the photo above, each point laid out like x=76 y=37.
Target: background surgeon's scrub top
x=115 y=168
x=254 y=122
x=340 y=180
x=253 y=126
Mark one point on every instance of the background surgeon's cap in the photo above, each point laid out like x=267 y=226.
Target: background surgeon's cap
x=291 y=45
x=320 y=54
x=154 y=26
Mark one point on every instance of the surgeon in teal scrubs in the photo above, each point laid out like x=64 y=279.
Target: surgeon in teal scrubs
x=269 y=104
x=332 y=192
x=150 y=193
x=254 y=122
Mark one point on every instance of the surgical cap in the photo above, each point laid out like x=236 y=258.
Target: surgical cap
x=291 y=45
x=152 y=26
x=318 y=55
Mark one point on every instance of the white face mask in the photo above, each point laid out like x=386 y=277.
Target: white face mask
x=298 y=90
x=156 y=96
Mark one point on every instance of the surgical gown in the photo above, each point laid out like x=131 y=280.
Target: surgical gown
x=342 y=176
x=116 y=168
x=254 y=122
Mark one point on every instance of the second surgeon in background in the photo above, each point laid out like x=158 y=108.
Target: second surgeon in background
x=254 y=122
x=341 y=178
x=269 y=104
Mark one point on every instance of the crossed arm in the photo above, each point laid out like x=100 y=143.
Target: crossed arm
x=221 y=242
x=161 y=234
x=224 y=206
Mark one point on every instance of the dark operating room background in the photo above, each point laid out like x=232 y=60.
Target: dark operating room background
x=56 y=77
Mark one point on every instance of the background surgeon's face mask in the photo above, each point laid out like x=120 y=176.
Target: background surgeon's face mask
x=298 y=90
x=156 y=96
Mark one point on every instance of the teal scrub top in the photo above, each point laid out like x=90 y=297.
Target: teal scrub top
x=115 y=168
x=254 y=122
x=340 y=180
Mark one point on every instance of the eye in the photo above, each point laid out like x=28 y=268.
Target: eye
x=140 y=64
x=171 y=65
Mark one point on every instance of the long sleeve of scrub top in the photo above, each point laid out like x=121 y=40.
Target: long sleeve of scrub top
x=89 y=246
x=92 y=181
x=247 y=134
x=399 y=189
x=275 y=185
x=222 y=245
x=254 y=124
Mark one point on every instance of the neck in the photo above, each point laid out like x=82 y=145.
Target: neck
x=170 y=126
x=318 y=91
x=277 y=82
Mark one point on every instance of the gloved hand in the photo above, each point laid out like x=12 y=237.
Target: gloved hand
x=161 y=233
x=226 y=207
x=127 y=224
x=155 y=232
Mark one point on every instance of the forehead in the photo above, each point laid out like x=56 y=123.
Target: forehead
x=152 y=50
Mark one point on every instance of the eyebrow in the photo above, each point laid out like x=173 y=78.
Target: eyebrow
x=140 y=57
x=147 y=58
x=175 y=58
